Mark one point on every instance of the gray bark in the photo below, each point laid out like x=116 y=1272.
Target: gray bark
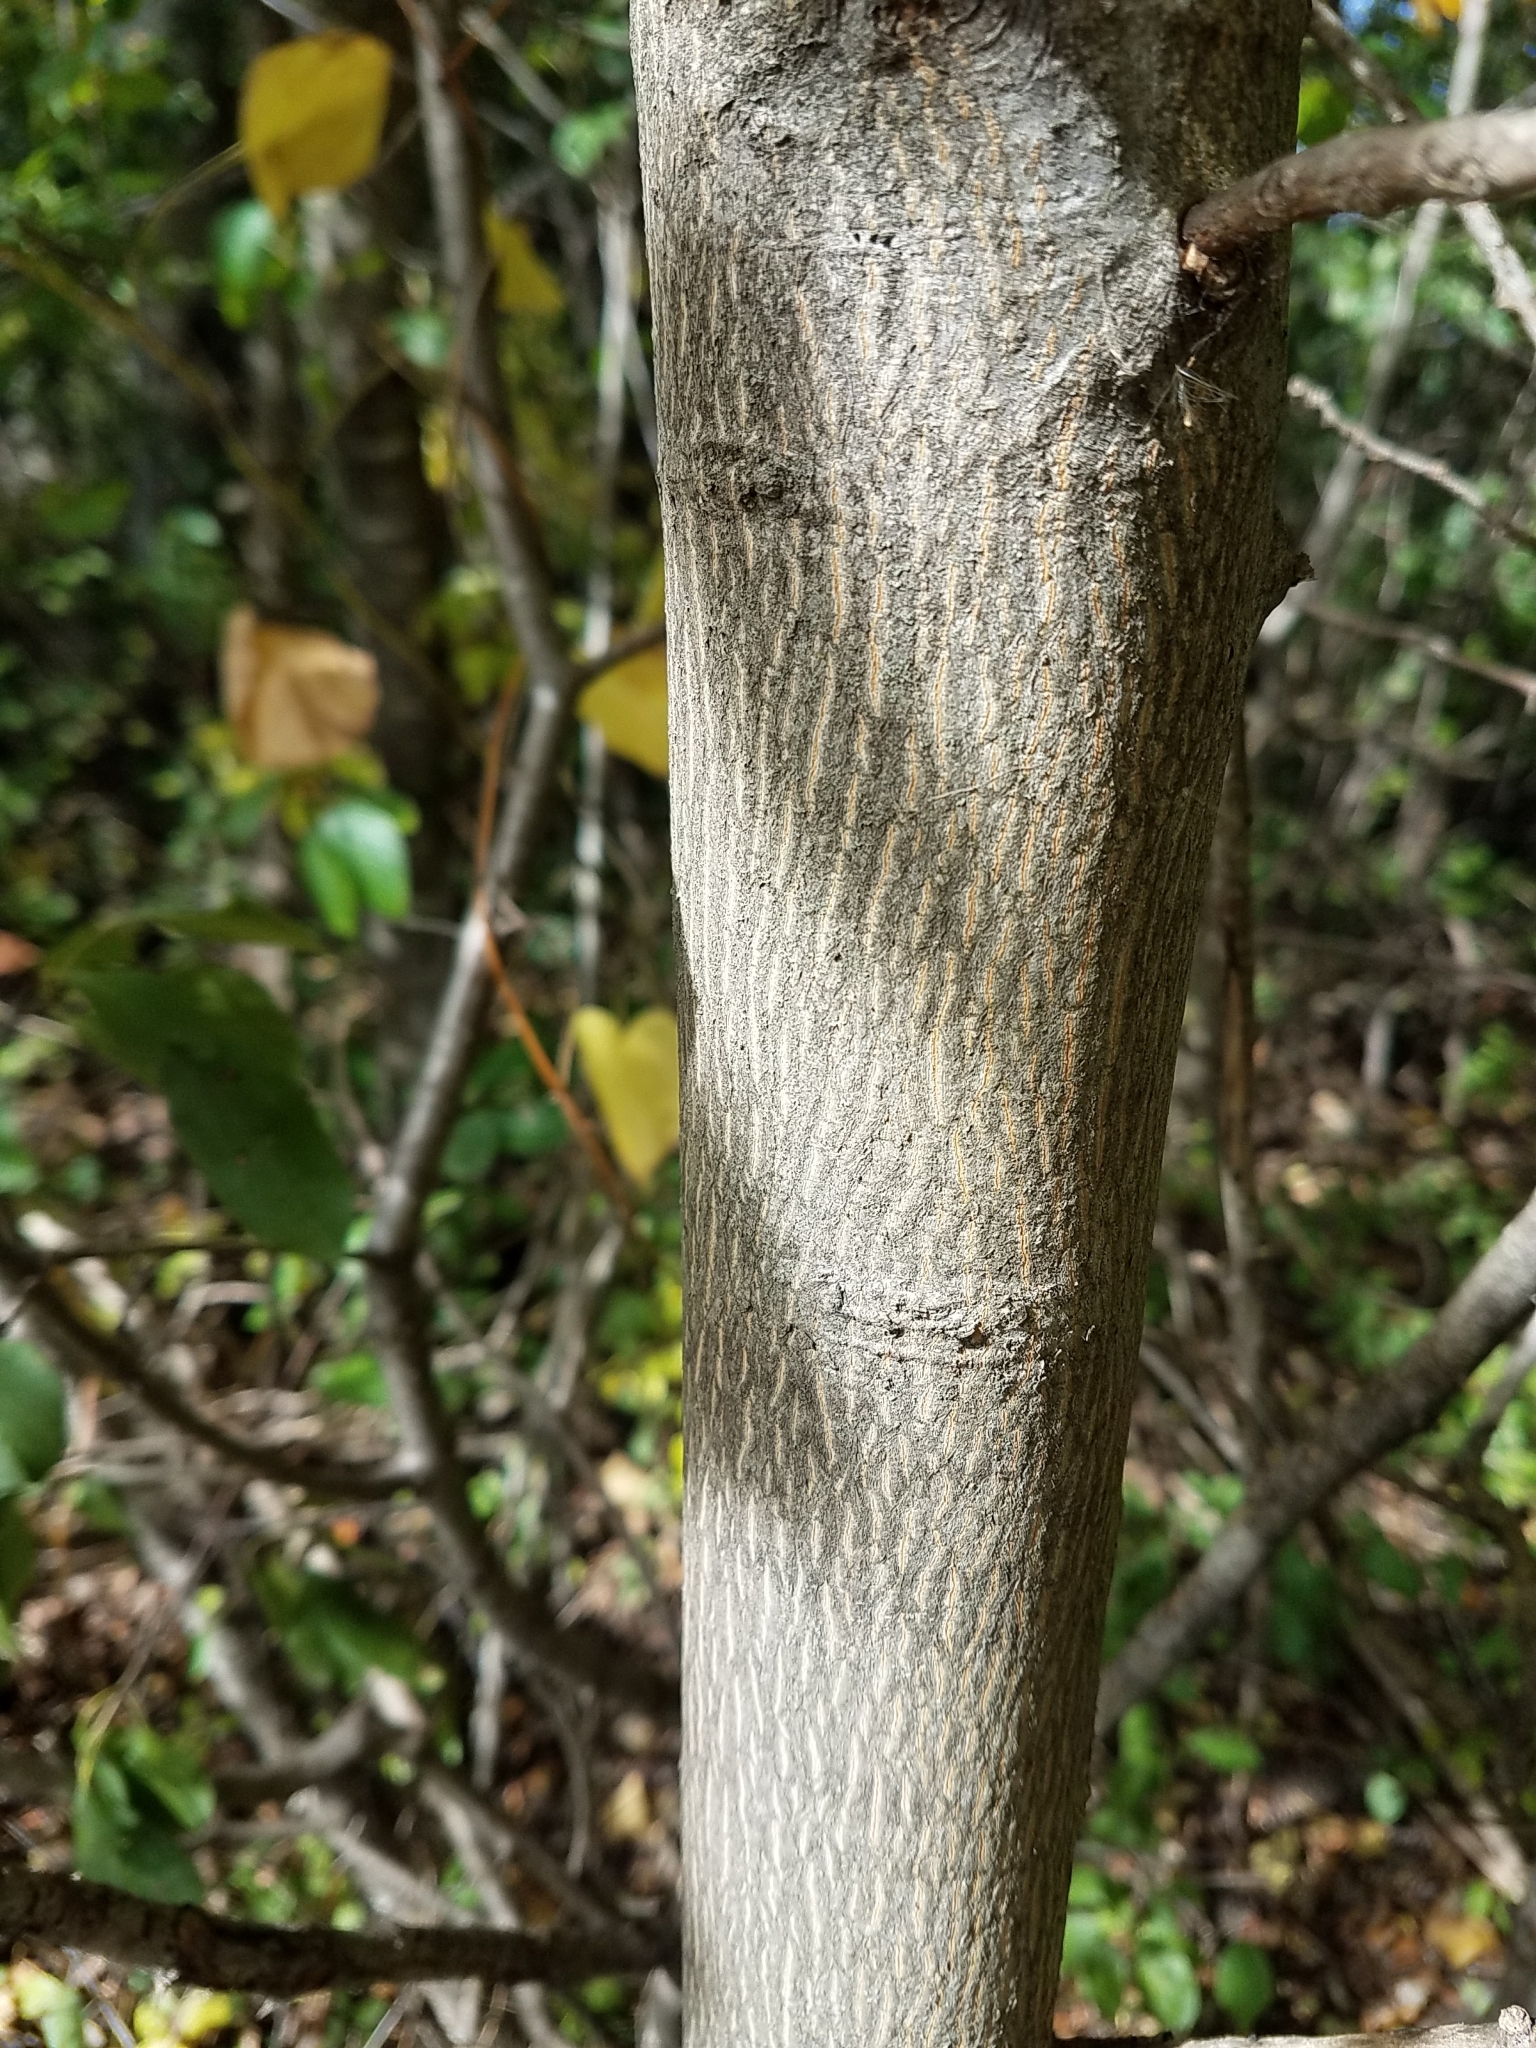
x=969 y=529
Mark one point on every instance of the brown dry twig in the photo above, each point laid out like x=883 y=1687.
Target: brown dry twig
x=1371 y=171
x=283 y=1962
x=1373 y=445
x=582 y=1128
x=1348 y=1439
x=1436 y=645
x=81 y=1348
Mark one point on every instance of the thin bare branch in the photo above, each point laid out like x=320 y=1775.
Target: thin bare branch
x=638 y=642
x=283 y=1962
x=576 y=1654
x=1517 y=1370
x=83 y=1349
x=1180 y=1388
x=351 y=1736
x=1435 y=645
x=1513 y=289
x=1371 y=171
x=1348 y=1439
x=552 y=681
x=480 y=26
x=1512 y=286
x=1372 y=76
x=1373 y=445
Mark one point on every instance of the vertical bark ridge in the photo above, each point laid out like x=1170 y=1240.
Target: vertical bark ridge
x=968 y=524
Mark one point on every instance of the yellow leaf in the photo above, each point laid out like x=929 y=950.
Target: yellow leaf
x=441 y=459
x=295 y=697
x=1430 y=14
x=204 y=2012
x=1462 y=1938
x=629 y=705
x=153 y=2024
x=632 y=1071
x=626 y=1815
x=312 y=114
x=524 y=282
x=34 y=1990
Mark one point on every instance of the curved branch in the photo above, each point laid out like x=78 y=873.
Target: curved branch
x=1370 y=171
x=1435 y=645
x=581 y=1654
x=638 y=642
x=1497 y=1292
x=284 y=1962
x=1372 y=445
x=80 y=1347
x=1512 y=287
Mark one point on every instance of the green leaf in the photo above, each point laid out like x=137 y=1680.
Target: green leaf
x=473 y=1145
x=1385 y=1799
x=147 y=1021
x=422 y=336
x=240 y=924
x=17 y=1555
x=1167 y=1980
x=129 y=1841
x=245 y=263
x=169 y=1767
x=1089 y=1887
x=109 y=942
x=1386 y=1564
x=113 y=941
x=330 y=881
x=228 y=1062
x=333 y=1636
x=75 y=514
x=1090 y=1959
x=1244 y=1983
x=579 y=143
x=1321 y=110
x=34 y=1426
x=355 y=1378
x=535 y=1128
x=268 y=1160
x=370 y=844
x=1303 y=1614
x=1224 y=1749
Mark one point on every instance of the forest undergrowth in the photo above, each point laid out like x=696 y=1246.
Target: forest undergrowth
x=230 y=1671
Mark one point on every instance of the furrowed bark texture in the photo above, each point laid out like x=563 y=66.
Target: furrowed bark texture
x=968 y=521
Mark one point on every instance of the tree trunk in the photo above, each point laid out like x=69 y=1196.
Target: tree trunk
x=968 y=519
